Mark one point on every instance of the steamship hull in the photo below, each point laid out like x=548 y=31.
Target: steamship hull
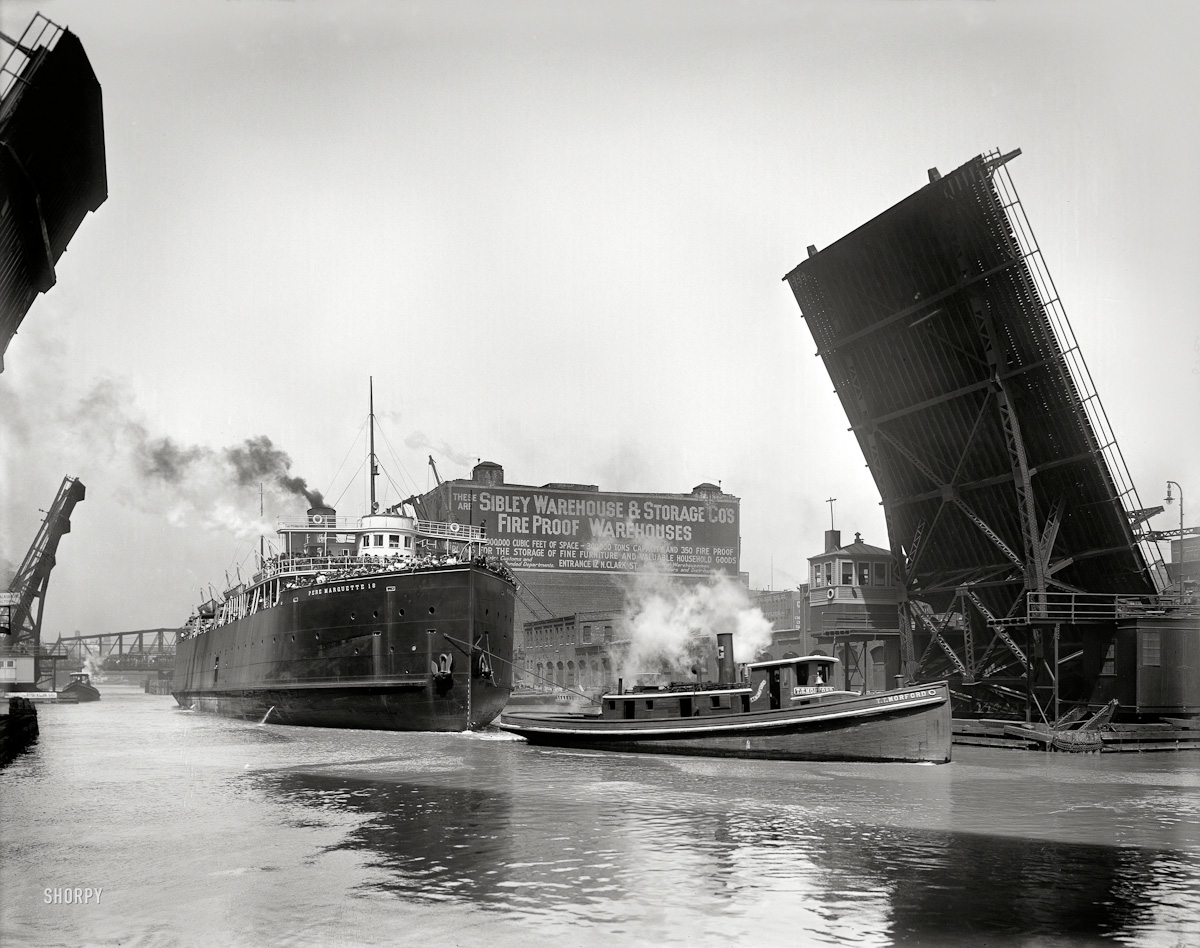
x=403 y=650
x=911 y=725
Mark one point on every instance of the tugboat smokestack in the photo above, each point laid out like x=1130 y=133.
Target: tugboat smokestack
x=726 y=667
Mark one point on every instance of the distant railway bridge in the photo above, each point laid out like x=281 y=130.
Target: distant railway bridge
x=141 y=649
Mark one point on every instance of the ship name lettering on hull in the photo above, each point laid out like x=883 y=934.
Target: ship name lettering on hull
x=342 y=587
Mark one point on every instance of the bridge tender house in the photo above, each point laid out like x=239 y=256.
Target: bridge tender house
x=565 y=530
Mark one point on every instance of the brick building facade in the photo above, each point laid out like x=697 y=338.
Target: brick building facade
x=574 y=547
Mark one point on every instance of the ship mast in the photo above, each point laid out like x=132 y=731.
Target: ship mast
x=371 y=460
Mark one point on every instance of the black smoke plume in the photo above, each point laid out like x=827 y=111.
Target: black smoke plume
x=165 y=460
x=99 y=433
x=257 y=459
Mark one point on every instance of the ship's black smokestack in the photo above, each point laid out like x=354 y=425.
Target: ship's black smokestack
x=321 y=516
x=322 y=520
x=833 y=540
x=726 y=666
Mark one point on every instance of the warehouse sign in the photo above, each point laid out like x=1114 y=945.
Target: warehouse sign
x=537 y=528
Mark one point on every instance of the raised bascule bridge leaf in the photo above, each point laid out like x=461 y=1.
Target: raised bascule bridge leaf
x=1002 y=483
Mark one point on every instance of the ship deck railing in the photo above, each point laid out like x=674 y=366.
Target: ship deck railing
x=340 y=568
x=432 y=529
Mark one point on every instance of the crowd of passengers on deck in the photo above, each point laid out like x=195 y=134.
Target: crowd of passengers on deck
x=342 y=568
x=355 y=567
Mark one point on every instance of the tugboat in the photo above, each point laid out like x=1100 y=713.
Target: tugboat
x=385 y=621
x=787 y=710
x=81 y=688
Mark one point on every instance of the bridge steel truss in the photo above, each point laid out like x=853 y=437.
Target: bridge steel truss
x=137 y=648
x=1000 y=478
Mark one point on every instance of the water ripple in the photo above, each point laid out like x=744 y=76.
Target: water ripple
x=272 y=835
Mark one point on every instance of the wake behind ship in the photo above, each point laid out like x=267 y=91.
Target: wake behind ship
x=382 y=622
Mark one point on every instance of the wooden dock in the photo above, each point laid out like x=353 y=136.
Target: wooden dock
x=18 y=728
x=1170 y=734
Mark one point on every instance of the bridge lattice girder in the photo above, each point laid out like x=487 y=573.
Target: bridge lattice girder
x=962 y=382
x=104 y=645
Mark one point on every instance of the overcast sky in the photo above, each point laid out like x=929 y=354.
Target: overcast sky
x=555 y=234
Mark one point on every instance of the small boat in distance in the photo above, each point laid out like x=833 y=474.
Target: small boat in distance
x=81 y=688
x=787 y=710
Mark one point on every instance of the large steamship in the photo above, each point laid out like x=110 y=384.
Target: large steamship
x=386 y=622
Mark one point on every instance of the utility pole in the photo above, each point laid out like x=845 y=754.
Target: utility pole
x=1182 y=536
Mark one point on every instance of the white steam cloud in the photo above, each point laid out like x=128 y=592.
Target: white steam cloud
x=94 y=669
x=191 y=485
x=419 y=442
x=672 y=624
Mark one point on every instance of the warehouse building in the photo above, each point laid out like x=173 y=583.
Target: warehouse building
x=575 y=549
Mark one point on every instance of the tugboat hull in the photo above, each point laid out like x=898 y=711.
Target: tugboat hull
x=911 y=724
x=80 y=691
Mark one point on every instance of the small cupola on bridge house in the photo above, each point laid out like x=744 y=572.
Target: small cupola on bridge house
x=856 y=572
x=853 y=606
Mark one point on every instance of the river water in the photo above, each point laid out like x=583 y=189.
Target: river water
x=206 y=831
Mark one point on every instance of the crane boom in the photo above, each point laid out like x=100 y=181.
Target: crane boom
x=28 y=587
